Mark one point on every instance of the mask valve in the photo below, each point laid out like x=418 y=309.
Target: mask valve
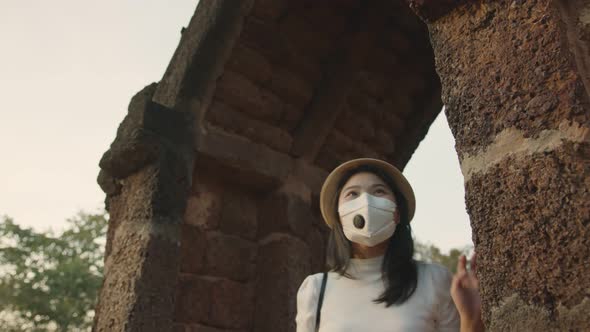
x=359 y=221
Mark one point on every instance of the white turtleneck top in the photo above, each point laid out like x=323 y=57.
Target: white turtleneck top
x=348 y=303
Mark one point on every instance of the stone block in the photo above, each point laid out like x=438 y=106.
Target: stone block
x=232 y=121
x=328 y=158
x=193 y=300
x=236 y=90
x=262 y=37
x=179 y=328
x=400 y=42
x=385 y=141
x=390 y=118
x=382 y=61
x=530 y=224
x=525 y=82
x=360 y=117
x=239 y=215
x=374 y=83
x=269 y=10
x=250 y=63
x=302 y=37
x=229 y=256
x=282 y=212
x=284 y=262
x=142 y=250
x=232 y=304
x=350 y=146
x=239 y=160
x=304 y=65
x=310 y=175
x=290 y=87
x=431 y=10
x=205 y=328
x=317 y=241
x=327 y=17
x=192 y=249
x=204 y=205
x=291 y=117
x=400 y=102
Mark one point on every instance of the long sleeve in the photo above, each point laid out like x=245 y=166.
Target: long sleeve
x=446 y=312
x=307 y=299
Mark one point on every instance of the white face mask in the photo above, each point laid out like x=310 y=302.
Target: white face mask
x=368 y=219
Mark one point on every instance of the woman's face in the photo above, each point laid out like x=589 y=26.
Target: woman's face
x=366 y=182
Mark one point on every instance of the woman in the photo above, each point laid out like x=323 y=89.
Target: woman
x=374 y=284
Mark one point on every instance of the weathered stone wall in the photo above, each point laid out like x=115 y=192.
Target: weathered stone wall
x=218 y=256
x=268 y=95
x=279 y=93
x=307 y=85
x=515 y=86
x=329 y=81
x=146 y=175
x=243 y=254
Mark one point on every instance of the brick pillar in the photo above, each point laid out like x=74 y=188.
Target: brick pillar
x=291 y=246
x=218 y=257
x=146 y=175
x=515 y=86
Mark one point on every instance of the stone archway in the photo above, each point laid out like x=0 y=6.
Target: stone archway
x=213 y=178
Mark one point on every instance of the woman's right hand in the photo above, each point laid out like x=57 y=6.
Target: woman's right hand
x=465 y=294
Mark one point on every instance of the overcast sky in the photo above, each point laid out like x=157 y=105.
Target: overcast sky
x=68 y=69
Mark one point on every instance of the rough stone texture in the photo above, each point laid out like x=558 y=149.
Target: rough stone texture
x=201 y=54
x=150 y=165
x=275 y=90
x=431 y=10
x=192 y=248
x=317 y=241
x=258 y=131
x=212 y=304
x=237 y=91
x=284 y=263
x=193 y=299
x=532 y=228
x=204 y=204
x=516 y=69
x=285 y=213
x=575 y=15
x=231 y=304
x=516 y=315
x=280 y=92
x=264 y=82
x=525 y=79
x=239 y=215
x=229 y=256
x=241 y=161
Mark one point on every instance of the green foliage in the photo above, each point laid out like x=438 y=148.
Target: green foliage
x=48 y=281
x=430 y=253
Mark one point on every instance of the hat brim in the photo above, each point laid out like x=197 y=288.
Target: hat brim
x=330 y=187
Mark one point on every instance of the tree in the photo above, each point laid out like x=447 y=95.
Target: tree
x=431 y=253
x=49 y=281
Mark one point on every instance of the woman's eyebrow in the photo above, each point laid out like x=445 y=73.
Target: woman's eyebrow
x=351 y=187
x=378 y=185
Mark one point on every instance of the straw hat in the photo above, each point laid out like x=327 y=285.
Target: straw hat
x=330 y=187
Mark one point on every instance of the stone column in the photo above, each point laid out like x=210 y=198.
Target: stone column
x=146 y=175
x=291 y=246
x=515 y=85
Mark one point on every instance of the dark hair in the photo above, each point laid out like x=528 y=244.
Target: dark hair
x=399 y=267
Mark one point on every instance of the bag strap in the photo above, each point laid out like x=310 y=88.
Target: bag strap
x=320 y=301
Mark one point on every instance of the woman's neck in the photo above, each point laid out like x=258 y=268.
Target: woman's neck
x=363 y=252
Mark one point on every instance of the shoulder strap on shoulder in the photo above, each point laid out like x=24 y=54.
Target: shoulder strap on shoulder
x=320 y=301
